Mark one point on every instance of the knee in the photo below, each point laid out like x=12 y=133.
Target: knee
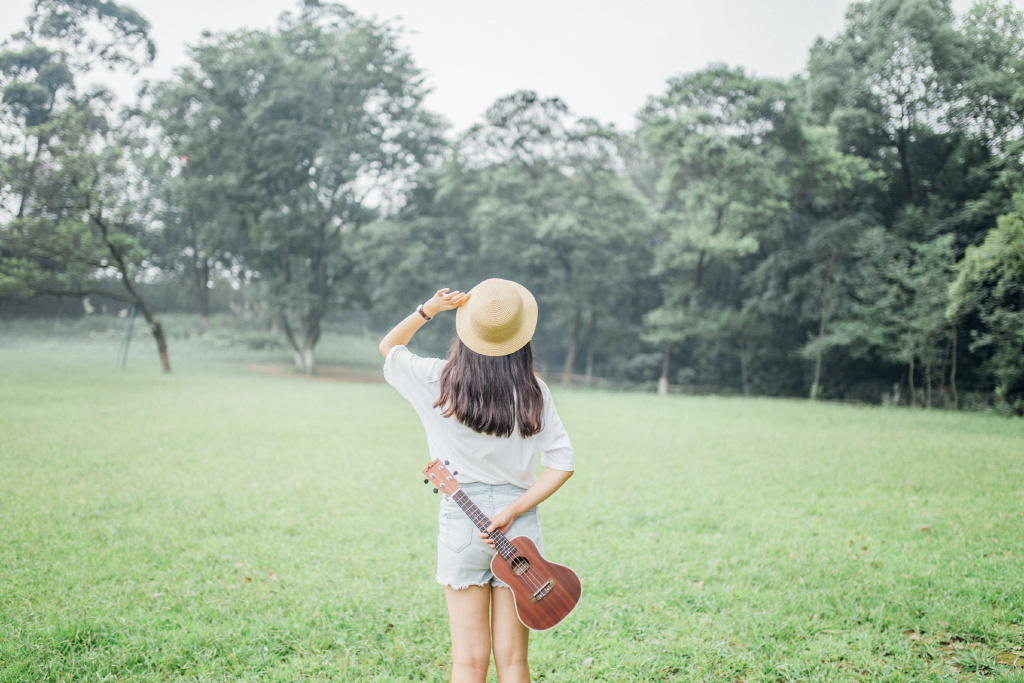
x=472 y=665
x=507 y=657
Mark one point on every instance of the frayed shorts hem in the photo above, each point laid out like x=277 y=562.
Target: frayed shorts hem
x=463 y=557
x=463 y=586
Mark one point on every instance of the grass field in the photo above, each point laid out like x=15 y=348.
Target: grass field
x=222 y=524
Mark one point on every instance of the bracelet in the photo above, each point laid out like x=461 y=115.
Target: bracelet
x=419 y=309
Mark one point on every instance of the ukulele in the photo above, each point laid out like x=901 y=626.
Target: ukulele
x=544 y=592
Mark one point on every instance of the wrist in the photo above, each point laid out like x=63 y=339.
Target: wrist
x=429 y=309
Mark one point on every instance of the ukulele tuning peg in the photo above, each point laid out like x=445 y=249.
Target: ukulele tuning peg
x=426 y=481
x=447 y=463
x=435 y=490
x=455 y=474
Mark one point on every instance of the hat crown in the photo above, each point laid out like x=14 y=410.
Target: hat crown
x=496 y=311
x=499 y=318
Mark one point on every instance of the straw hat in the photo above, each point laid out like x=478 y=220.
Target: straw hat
x=498 y=319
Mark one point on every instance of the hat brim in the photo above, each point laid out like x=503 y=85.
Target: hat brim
x=464 y=328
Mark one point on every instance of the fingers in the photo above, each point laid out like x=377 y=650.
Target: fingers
x=487 y=537
x=451 y=299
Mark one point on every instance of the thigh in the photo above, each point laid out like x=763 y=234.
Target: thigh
x=511 y=638
x=463 y=558
x=468 y=610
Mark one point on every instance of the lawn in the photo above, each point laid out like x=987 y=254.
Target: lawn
x=220 y=524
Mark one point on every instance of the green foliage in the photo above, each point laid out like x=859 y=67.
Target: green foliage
x=900 y=305
x=722 y=141
x=305 y=136
x=532 y=194
x=777 y=237
x=990 y=281
x=991 y=51
x=880 y=82
x=71 y=205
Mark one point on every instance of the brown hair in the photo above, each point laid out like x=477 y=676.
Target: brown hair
x=492 y=394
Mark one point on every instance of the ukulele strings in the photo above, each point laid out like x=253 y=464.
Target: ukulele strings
x=526 y=576
x=501 y=542
x=529 y=577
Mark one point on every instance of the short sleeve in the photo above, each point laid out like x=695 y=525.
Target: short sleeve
x=553 y=442
x=409 y=373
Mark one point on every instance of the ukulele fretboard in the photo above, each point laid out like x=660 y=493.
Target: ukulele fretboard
x=482 y=521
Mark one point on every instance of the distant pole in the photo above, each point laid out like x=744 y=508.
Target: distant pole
x=122 y=350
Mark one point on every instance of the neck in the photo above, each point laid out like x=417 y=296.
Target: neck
x=482 y=521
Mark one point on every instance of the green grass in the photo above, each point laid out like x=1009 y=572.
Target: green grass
x=219 y=524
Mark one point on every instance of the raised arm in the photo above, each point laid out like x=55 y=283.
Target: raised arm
x=401 y=333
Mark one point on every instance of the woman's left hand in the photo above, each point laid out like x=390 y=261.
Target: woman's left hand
x=502 y=522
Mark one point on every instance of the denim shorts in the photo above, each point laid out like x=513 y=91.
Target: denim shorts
x=463 y=558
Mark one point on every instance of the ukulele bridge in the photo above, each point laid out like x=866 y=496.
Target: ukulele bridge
x=543 y=590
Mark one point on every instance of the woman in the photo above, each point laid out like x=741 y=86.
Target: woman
x=486 y=412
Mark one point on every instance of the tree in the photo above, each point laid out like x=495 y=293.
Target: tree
x=880 y=83
x=71 y=205
x=990 y=281
x=722 y=140
x=199 y=234
x=984 y=86
x=309 y=134
x=898 y=315
x=544 y=201
x=807 y=275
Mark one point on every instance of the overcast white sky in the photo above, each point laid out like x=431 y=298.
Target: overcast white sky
x=603 y=57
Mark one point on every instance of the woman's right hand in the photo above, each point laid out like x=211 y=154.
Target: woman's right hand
x=444 y=300
x=401 y=333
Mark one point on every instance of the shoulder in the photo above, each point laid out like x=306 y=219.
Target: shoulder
x=402 y=365
x=544 y=390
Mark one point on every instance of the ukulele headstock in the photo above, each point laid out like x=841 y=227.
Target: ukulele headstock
x=441 y=477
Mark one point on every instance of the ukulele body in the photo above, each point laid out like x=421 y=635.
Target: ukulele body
x=544 y=592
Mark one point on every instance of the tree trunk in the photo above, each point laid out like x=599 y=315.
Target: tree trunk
x=910 y=381
x=129 y=284
x=312 y=336
x=823 y=303
x=743 y=369
x=663 y=381
x=902 y=147
x=158 y=332
x=590 y=347
x=928 y=384
x=570 y=357
x=952 y=370
x=56 y=314
x=292 y=343
x=202 y=282
x=816 y=385
x=161 y=342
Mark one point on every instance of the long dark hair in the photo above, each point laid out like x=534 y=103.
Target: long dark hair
x=492 y=394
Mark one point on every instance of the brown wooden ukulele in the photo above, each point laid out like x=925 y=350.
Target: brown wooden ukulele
x=544 y=592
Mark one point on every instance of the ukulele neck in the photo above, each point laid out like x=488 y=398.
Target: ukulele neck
x=482 y=521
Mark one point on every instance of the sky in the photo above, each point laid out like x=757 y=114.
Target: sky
x=604 y=58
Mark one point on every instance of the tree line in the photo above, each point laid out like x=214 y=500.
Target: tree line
x=854 y=232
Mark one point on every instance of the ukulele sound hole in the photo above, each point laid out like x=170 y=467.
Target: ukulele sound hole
x=520 y=566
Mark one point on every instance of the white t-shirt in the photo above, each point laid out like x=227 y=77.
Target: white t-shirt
x=476 y=457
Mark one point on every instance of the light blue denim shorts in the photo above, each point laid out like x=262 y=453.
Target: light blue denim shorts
x=463 y=558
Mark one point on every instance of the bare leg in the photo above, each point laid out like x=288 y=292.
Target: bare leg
x=511 y=638
x=471 y=636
